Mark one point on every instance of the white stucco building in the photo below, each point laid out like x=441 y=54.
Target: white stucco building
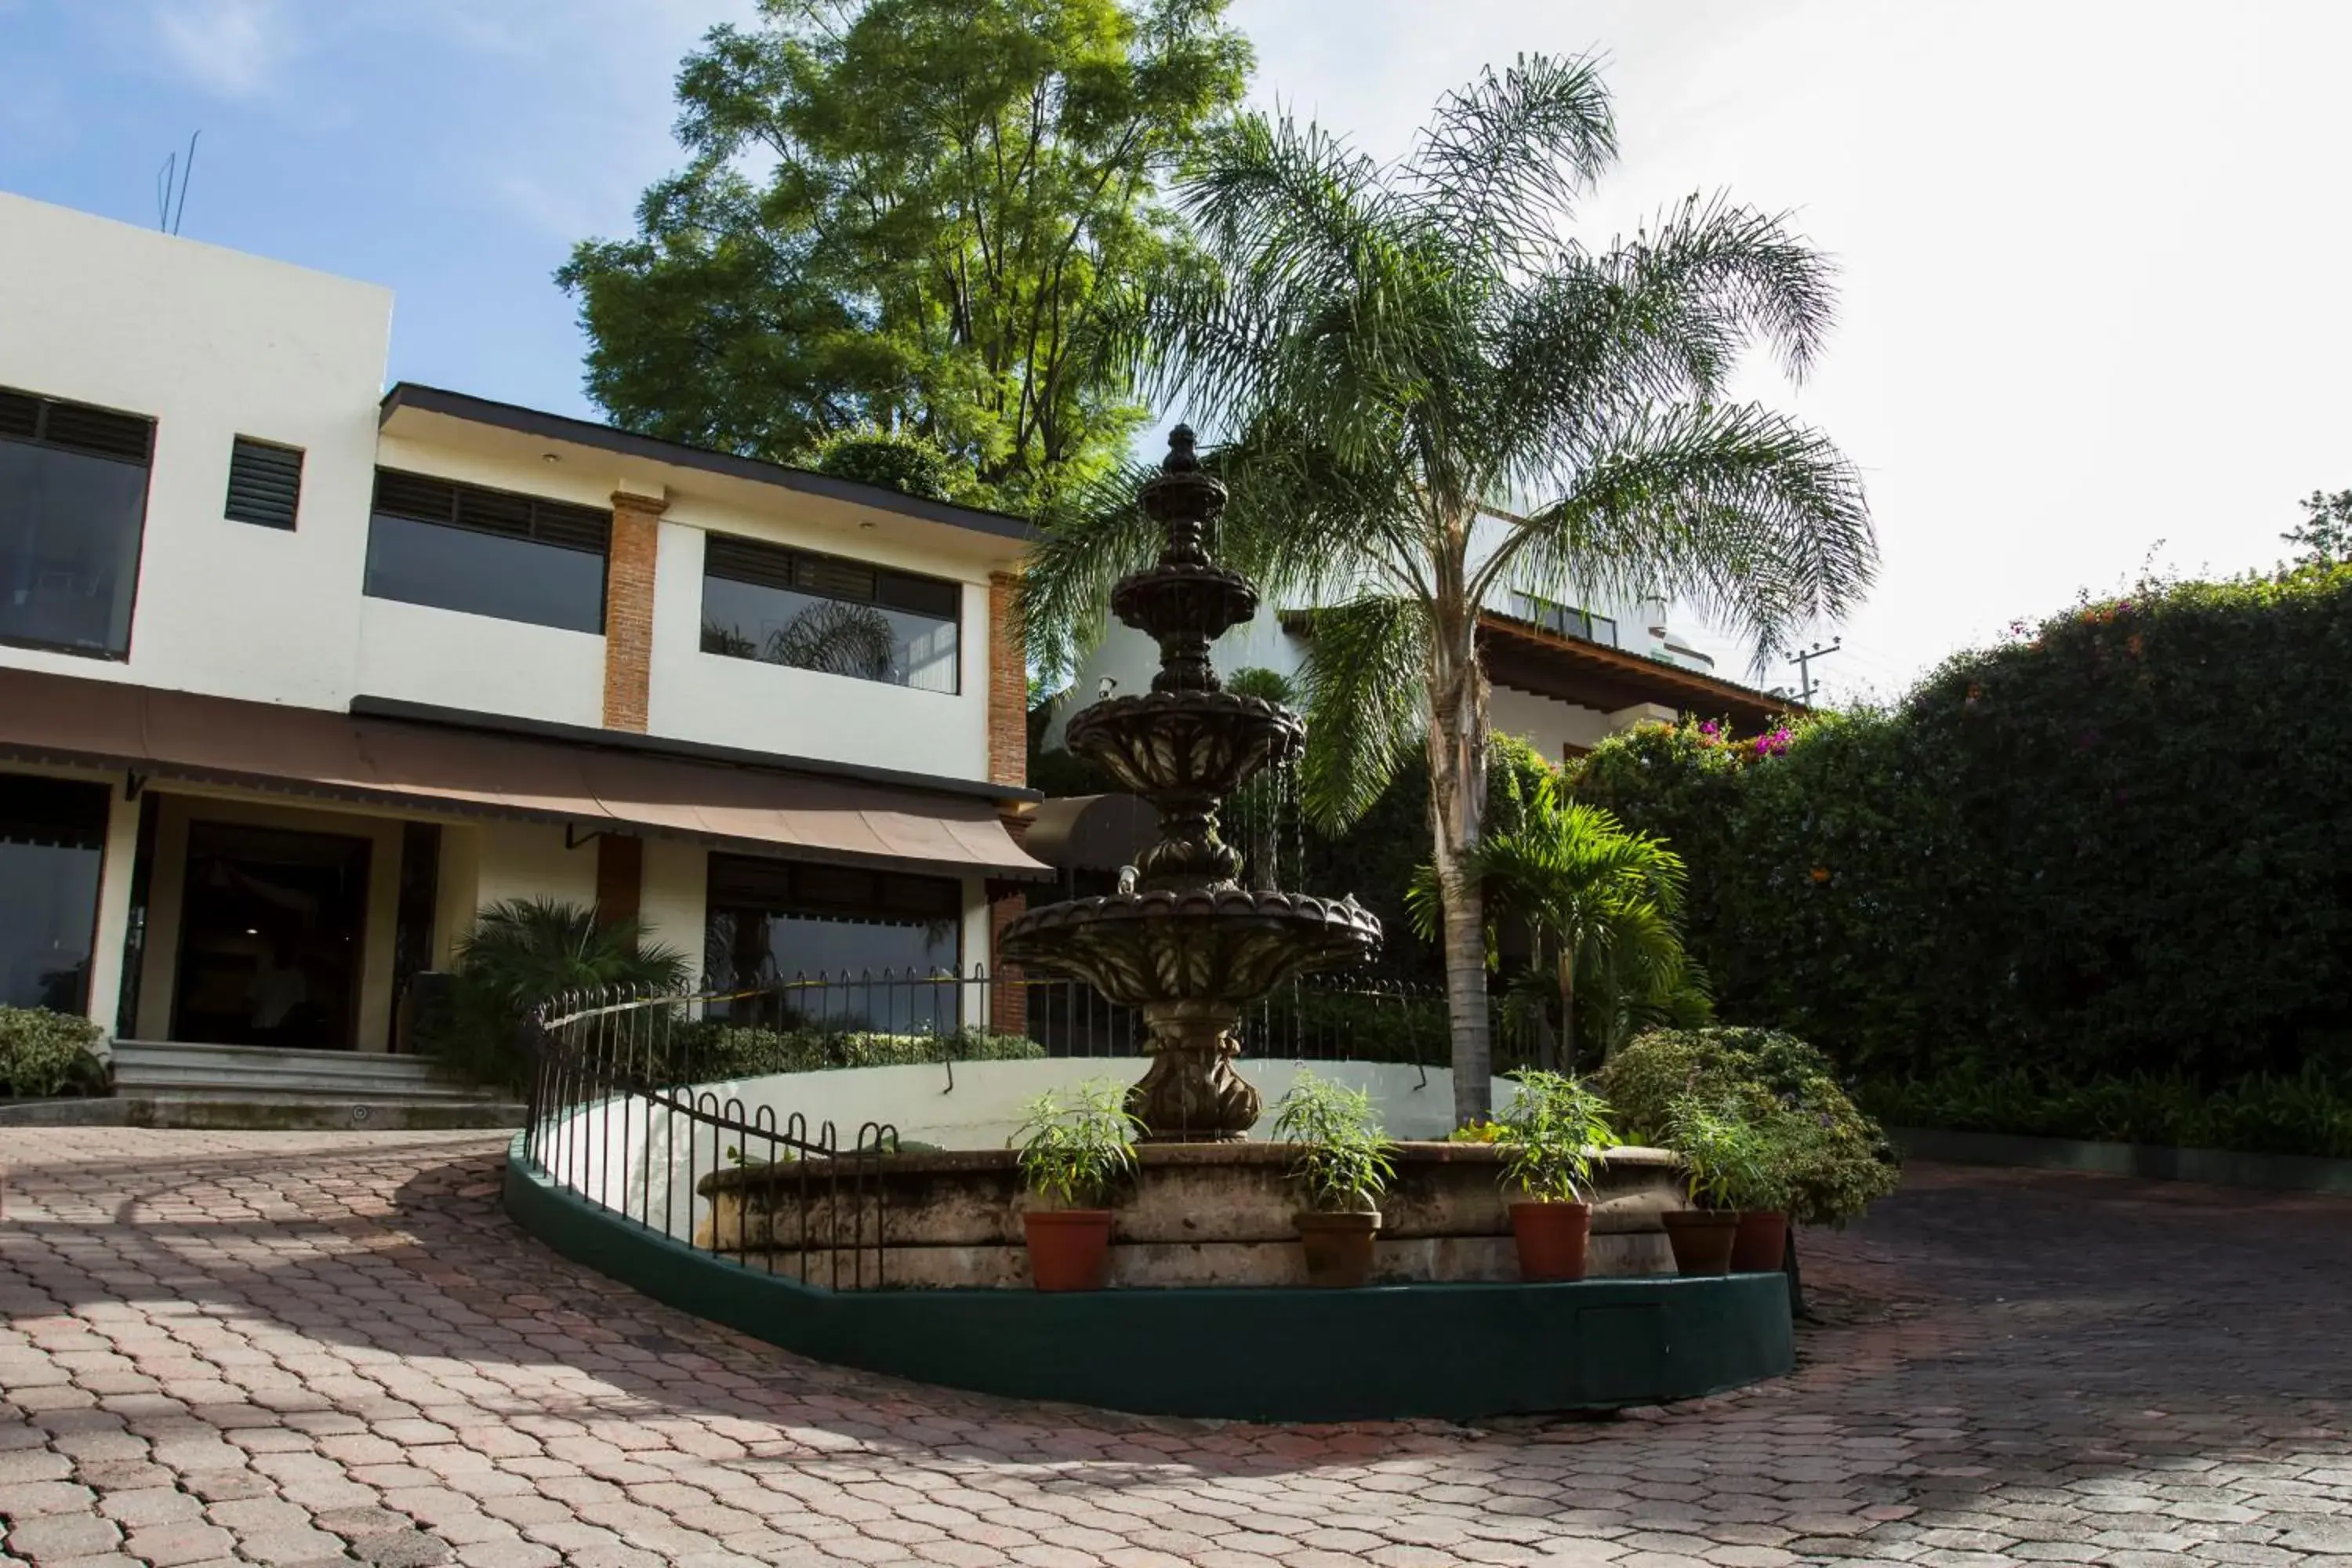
x=296 y=675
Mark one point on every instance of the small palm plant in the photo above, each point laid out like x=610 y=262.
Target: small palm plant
x=1340 y=1153
x=1550 y=1135
x=523 y=953
x=1078 y=1144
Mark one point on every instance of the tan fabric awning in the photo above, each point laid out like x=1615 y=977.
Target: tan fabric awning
x=309 y=750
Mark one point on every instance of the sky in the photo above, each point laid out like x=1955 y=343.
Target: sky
x=2093 y=317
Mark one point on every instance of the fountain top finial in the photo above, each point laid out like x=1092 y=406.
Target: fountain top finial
x=1182 y=458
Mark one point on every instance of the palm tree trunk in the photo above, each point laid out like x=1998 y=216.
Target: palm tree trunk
x=1567 y=1008
x=1457 y=799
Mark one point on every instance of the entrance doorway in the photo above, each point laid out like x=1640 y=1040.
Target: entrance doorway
x=272 y=936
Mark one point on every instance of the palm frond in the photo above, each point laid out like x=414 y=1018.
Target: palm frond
x=1758 y=521
x=1364 y=714
x=1503 y=162
x=1089 y=535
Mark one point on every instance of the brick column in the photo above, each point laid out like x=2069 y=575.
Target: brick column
x=1008 y=764
x=629 y=609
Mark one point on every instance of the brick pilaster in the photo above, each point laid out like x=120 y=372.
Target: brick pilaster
x=1008 y=683
x=1008 y=1000
x=620 y=877
x=629 y=610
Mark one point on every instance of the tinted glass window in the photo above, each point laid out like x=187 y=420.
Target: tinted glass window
x=52 y=834
x=484 y=574
x=69 y=526
x=872 y=937
x=486 y=552
x=818 y=612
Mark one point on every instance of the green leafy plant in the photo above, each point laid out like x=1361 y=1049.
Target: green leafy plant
x=1076 y=1145
x=1839 y=1159
x=2309 y=1112
x=710 y=1050
x=1730 y=1158
x=1339 y=1154
x=45 y=1054
x=1550 y=1134
x=523 y=953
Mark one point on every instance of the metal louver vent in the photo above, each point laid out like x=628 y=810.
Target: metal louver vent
x=100 y=431
x=20 y=415
x=502 y=512
x=75 y=426
x=265 y=483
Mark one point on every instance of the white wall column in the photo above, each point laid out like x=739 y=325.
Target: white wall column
x=113 y=909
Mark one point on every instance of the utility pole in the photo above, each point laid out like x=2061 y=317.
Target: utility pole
x=1804 y=663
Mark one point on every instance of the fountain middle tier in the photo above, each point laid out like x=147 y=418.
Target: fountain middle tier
x=1187 y=742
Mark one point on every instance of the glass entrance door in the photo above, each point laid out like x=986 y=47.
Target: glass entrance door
x=272 y=936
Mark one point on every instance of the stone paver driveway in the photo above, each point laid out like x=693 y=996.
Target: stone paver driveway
x=295 y=1348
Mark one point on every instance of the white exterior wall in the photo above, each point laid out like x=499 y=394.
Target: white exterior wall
x=480 y=664
x=211 y=344
x=672 y=900
x=1546 y=723
x=718 y=700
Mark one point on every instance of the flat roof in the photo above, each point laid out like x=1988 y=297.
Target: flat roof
x=678 y=454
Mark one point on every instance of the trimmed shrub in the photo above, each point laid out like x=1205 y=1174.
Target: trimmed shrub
x=2310 y=1113
x=2116 y=847
x=45 y=1054
x=1848 y=1163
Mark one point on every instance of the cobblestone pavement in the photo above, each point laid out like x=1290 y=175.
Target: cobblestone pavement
x=293 y=1348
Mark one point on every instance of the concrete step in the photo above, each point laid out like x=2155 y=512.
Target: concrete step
x=248 y=1113
x=179 y=1068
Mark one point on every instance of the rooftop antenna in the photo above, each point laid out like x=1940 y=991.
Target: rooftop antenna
x=172 y=188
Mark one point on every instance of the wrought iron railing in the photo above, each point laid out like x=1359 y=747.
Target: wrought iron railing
x=631 y=1107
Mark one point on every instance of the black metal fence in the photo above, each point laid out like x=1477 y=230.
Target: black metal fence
x=630 y=1106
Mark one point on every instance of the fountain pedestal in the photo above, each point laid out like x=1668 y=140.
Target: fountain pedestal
x=1188 y=947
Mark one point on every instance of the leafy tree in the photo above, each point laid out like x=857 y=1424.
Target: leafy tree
x=2324 y=535
x=1398 y=352
x=523 y=953
x=909 y=214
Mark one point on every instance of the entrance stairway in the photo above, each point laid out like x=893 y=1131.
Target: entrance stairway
x=178 y=1083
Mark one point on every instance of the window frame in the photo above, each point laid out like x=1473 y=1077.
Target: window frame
x=45 y=407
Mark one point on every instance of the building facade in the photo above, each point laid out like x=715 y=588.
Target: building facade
x=297 y=674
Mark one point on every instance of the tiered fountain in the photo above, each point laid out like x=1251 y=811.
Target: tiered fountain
x=1188 y=947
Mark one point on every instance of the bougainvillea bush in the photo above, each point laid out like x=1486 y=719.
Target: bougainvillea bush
x=2118 y=843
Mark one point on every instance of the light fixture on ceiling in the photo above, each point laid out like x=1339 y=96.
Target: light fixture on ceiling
x=864 y=525
x=550 y=457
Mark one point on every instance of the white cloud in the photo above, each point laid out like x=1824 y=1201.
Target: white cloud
x=231 y=47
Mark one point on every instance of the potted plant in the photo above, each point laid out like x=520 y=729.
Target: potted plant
x=1076 y=1147
x=1548 y=1136
x=1729 y=1163
x=1786 y=1147
x=1340 y=1159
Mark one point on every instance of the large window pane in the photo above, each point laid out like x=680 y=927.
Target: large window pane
x=825 y=612
x=70 y=525
x=52 y=834
x=871 y=937
x=484 y=573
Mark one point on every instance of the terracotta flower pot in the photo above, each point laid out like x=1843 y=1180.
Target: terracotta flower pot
x=1069 y=1249
x=1551 y=1239
x=1702 y=1240
x=1339 y=1246
x=1762 y=1241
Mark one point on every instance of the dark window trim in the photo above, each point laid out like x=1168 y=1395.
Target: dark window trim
x=43 y=411
x=627 y=443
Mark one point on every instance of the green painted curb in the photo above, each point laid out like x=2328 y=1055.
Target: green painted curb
x=2215 y=1167
x=1446 y=1352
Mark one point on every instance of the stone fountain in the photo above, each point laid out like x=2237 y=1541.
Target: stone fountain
x=1188 y=946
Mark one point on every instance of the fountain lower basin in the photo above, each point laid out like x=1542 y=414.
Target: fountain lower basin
x=1198 y=1215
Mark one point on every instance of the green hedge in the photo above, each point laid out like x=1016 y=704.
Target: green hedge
x=2118 y=846
x=45 y=1054
x=2310 y=1113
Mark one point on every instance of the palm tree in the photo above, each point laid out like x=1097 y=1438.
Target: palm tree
x=1431 y=397
x=1604 y=906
